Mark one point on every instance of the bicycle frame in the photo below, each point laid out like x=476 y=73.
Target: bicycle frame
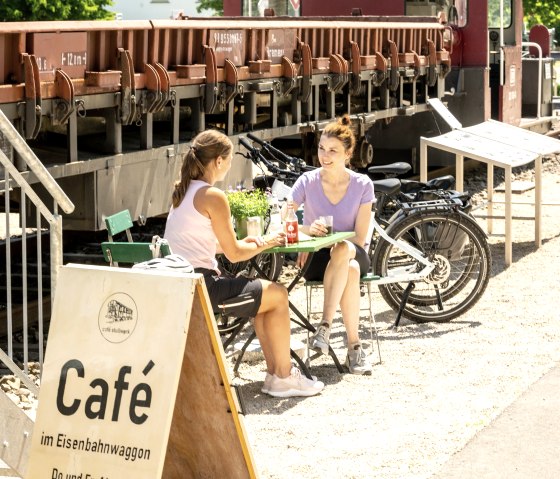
x=403 y=274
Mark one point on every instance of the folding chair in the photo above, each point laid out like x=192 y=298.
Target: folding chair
x=118 y=223
x=129 y=251
x=366 y=281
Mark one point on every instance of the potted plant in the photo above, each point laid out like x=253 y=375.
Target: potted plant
x=244 y=204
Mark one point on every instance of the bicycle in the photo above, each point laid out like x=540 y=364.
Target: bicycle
x=432 y=258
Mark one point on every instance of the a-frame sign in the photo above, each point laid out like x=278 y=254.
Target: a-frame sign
x=134 y=382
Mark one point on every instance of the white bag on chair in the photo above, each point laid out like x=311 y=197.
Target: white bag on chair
x=172 y=262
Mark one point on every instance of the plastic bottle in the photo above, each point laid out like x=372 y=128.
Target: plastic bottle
x=291 y=222
x=275 y=223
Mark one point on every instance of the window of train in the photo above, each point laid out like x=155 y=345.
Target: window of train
x=494 y=13
x=455 y=11
x=256 y=8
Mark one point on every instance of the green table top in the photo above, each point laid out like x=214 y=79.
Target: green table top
x=312 y=245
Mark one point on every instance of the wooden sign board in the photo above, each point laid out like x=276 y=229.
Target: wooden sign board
x=134 y=382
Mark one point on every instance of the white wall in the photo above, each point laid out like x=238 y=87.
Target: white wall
x=153 y=10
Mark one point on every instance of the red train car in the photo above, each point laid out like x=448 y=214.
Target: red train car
x=110 y=107
x=486 y=61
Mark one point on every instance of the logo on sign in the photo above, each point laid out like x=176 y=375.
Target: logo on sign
x=117 y=318
x=295 y=4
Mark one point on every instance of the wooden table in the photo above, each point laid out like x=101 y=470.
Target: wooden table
x=498 y=145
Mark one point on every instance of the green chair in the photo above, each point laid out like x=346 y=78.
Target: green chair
x=366 y=281
x=118 y=223
x=129 y=252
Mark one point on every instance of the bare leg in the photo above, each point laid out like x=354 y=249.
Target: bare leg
x=272 y=326
x=336 y=278
x=350 y=304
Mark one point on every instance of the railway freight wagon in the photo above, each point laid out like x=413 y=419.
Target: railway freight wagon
x=110 y=107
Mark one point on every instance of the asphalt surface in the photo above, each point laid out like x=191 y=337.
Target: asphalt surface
x=521 y=443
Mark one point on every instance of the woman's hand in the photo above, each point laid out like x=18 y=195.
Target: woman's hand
x=301 y=259
x=275 y=239
x=258 y=240
x=318 y=228
x=268 y=241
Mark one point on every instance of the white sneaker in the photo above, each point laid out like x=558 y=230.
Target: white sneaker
x=294 y=385
x=320 y=340
x=357 y=361
x=266 y=385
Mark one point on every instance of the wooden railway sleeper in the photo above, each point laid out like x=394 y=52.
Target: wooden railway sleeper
x=64 y=105
x=33 y=100
x=128 y=99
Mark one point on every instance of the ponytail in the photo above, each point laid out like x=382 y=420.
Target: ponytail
x=205 y=148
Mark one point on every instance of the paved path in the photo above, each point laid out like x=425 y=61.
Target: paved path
x=521 y=443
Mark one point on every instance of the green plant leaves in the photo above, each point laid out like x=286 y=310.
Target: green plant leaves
x=244 y=204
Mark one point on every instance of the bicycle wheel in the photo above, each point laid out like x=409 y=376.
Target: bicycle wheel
x=458 y=247
x=270 y=264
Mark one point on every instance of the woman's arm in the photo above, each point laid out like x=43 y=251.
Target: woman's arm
x=212 y=202
x=363 y=220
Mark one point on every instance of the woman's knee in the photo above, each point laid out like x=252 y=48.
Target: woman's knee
x=342 y=251
x=274 y=294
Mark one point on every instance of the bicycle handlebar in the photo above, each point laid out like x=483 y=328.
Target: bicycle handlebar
x=256 y=138
x=297 y=163
x=246 y=144
x=257 y=157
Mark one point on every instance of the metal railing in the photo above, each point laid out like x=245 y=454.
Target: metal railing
x=12 y=180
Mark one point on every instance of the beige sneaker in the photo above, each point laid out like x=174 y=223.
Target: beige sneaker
x=294 y=385
x=266 y=385
x=319 y=342
x=357 y=361
x=268 y=378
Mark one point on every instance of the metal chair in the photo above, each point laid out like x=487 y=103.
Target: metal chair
x=366 y=288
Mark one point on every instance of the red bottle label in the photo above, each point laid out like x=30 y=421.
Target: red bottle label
x=292 y=231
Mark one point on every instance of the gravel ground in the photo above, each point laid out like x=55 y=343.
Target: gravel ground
x=438 y=384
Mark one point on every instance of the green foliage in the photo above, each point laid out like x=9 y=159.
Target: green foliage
x=216 y=6
x=42 y=10
x=542 y=12
x=244 y=204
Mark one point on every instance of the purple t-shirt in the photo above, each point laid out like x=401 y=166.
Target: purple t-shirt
x=308 y=191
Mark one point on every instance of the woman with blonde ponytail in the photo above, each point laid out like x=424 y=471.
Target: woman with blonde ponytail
x=199 y=226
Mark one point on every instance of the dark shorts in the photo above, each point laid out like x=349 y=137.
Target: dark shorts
x=239 y=297
x=321 y=258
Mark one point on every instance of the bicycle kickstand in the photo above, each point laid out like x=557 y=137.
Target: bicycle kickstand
x=404 y=299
